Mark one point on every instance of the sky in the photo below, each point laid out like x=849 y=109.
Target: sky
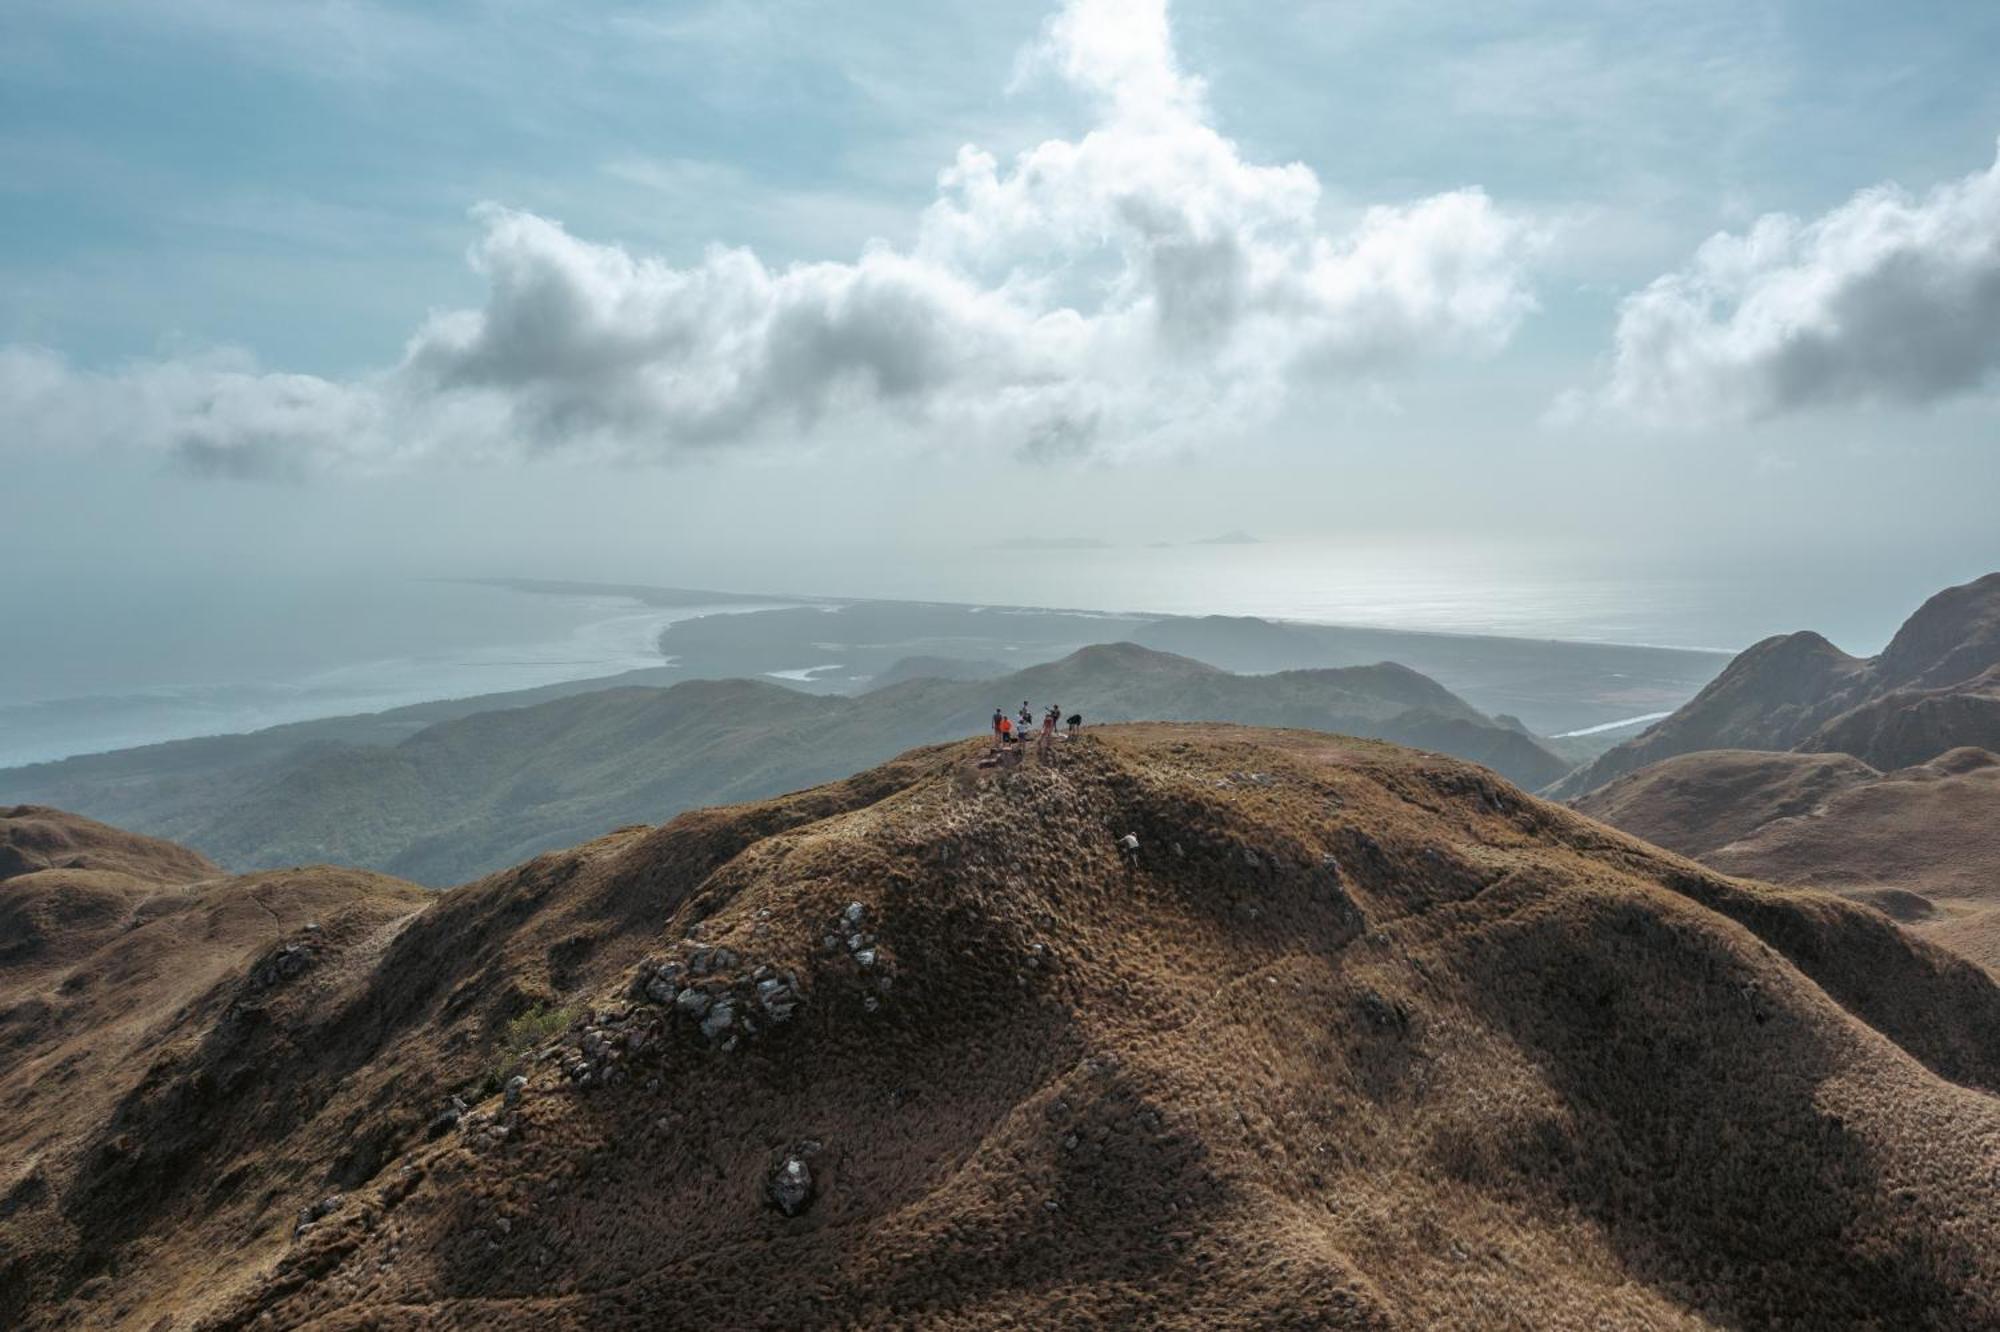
x=702 y=293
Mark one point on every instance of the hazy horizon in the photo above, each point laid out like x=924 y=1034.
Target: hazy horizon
x=154 y=660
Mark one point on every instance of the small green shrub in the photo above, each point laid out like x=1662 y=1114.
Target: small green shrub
x=526 y=1032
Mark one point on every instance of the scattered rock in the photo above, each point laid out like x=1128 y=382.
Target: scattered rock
x=1382 y=1012
x=515 y=1086
x=287 y=963
x=791 y=1185
x=316 y=1212
x=718 y=1020
x=778 y=997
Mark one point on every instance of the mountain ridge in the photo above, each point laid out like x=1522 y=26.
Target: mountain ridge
x=469 y=794
x=1799 y=691
x=1357 y=1037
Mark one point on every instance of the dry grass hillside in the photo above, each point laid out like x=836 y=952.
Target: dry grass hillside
x=1355 y=1036
x=1694 y=803
x=1922 y=842
x=113 y=947
x=35 y=838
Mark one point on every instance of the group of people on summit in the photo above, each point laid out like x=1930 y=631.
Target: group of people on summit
x=1007 y=730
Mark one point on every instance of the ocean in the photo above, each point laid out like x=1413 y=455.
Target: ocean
x=146 y=661
x=146 y=658
x=1714 y=595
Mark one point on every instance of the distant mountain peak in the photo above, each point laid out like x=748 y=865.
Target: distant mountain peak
x=1133 y=657
x=1953 y=636
x=1930 y=690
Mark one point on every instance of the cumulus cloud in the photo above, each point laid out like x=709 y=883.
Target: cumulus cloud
x=217 y=414
x=1137 y=286
x=1886 y=299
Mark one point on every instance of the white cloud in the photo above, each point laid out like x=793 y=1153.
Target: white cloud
x=1139 y=286
x=216 y=414
x=1885 y=299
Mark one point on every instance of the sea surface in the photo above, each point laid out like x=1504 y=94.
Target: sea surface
x=143 y=659
x=143 y=662
x=1711 y=596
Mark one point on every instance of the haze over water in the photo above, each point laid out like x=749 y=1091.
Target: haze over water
x=157 y=658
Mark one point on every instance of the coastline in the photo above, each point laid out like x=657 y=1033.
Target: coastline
x=617 y=639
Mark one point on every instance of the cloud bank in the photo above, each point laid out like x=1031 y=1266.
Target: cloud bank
x=1885 y=299
x=1140 y=286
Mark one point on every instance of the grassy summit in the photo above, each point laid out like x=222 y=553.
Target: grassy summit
x=1359 y=1037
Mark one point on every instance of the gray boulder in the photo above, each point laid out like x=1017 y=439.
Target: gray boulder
x=791 y=1186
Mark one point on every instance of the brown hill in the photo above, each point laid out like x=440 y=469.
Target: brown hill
x=1907 y=726
x=1694 y=803
x=1953 y=636
x=68 y=883
x=1935 y=687
x=1355 y=1037
x=35 y=837
x=108 y=968
x=1922 y=842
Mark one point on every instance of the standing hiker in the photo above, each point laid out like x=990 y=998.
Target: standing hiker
x=998 y=717
x=1027 y=717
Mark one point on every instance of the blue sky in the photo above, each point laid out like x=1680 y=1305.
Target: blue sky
x=233 y=236
x=294 y=177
